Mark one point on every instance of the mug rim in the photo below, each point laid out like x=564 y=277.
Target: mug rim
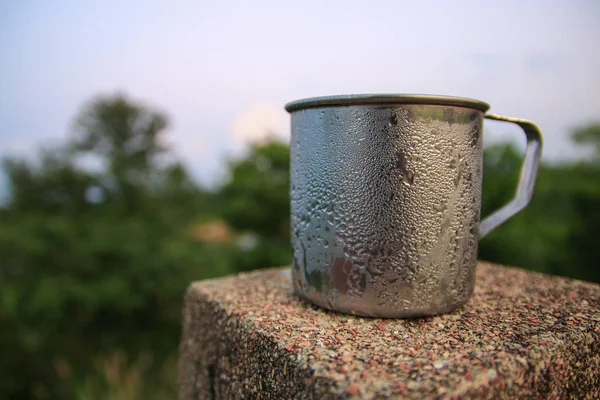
x=385 y=98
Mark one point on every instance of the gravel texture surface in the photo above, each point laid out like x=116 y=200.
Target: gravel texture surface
x=522 y=335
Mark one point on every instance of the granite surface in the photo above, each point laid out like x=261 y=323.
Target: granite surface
x=522 y=335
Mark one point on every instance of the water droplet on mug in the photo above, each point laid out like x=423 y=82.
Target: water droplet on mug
x=375 y=269
x=439 y=207
x=408 y=178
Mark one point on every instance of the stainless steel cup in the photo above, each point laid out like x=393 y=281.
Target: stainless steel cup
x=386 y=200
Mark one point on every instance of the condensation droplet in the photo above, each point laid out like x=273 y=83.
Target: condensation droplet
x=439 y=207
x=408 y=178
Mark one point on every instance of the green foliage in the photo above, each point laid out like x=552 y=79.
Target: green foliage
x=555 y=233
x=94 y=261
x=256 y=200
x=588 y=135
x=124 y=135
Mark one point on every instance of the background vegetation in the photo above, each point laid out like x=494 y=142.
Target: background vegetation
x=101 y=236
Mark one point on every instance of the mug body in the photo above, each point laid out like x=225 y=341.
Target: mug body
x=385 y=203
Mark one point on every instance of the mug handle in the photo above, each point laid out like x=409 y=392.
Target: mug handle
x=529 y=170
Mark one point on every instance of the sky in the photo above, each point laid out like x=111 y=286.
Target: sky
x=222 y=71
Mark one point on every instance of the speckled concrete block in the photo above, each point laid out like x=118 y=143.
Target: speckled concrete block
x=522 y=335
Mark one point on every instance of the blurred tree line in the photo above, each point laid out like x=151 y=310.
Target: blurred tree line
x=101 y=236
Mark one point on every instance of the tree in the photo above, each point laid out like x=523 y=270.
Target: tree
x=95 y=261
x=124 y=134
x=256 y=200
x=52 y=184
x=588 y=135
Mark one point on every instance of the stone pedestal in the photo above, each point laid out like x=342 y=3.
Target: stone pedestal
x=521 y=335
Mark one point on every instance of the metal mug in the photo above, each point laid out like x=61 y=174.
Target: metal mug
x=386 y=200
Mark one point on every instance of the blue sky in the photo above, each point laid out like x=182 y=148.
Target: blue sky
x=223 y=70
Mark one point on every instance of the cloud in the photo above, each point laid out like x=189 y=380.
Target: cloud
x=260 y=122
